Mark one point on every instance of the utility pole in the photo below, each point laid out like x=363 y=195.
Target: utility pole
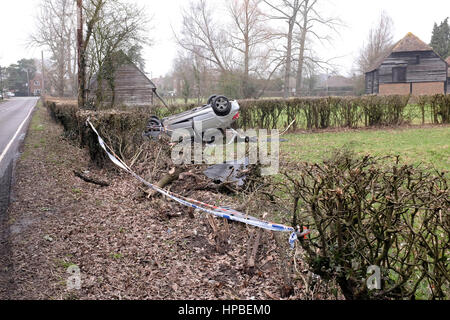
x=43 y=75
x=28 y=82
x=81 y=57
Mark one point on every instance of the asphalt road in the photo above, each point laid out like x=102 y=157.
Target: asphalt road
x=15 y=116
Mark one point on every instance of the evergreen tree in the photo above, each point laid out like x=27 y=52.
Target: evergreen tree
x=440 y=40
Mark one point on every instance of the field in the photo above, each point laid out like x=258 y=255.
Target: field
x=427 y=145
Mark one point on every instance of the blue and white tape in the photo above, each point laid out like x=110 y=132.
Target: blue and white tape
x=220 y=212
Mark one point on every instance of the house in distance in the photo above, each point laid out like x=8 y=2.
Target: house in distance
x=35 y=85
x=410 y=67
x=130 y=86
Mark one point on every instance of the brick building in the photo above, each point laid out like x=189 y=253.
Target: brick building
x=35 y=85
x=410 y=67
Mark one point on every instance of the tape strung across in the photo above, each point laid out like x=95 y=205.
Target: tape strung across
x=221 y=212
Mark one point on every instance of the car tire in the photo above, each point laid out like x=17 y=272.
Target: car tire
x=210 y=99
x=154 y=126
x=221 y=106
x=154 y=121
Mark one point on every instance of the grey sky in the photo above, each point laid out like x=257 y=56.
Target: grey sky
x=16 y=22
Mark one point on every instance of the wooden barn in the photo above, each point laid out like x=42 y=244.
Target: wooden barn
x=410 y=67
x=131 y=86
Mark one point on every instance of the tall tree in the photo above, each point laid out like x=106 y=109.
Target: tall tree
x=191 y=76
x=309 y=19
x=204 y=37
x=117 y=37
x=440 y=39
x=287 y=11
x=250 y=32
x=55 y=31
x=89 y=15
x=18 y=76
x=379 y=42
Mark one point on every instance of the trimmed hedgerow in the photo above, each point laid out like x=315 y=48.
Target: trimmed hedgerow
x=323 y=112
x=123 y=128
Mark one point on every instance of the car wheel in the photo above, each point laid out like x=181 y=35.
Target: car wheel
x=154 y=122
x=154 y=126
x=221 y=106
x=210 y=99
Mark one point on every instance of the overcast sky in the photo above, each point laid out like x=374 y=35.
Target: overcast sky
x=418 y=17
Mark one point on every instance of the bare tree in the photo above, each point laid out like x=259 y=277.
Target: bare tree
x=251 y=34
x=204 y=37
x=55 y=32
x=379 y=41
x=287 y=11
x=89 y=15
x=309 y=19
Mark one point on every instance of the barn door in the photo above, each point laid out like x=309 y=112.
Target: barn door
x=399 y=74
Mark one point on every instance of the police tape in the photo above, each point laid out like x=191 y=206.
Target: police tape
x=221 y=212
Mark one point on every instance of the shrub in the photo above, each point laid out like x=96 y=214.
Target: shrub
x=121 y=130
x=64 y=112
x=364 y=213
x=439 y=108
x=324 y=112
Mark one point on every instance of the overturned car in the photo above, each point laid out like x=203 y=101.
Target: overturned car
x=219 y=113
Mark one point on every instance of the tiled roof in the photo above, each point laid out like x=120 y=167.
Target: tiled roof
x=411 y=43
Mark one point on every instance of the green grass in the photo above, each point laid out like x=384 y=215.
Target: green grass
x=36 y=122
x=430 y=146
x=116 y=256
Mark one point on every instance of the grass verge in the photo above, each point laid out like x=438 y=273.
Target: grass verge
x=429 y=146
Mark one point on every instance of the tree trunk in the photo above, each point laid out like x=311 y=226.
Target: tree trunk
x=301 y=58
x=81 y=57
x=245 y=82
x=301 y=55
x=99 y=92
x=61 y=74
x=287 y=74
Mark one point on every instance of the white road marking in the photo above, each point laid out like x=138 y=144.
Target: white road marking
x=15 y=135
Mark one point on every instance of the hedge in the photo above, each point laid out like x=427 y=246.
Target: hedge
x=122 y=129
x=324 y=112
